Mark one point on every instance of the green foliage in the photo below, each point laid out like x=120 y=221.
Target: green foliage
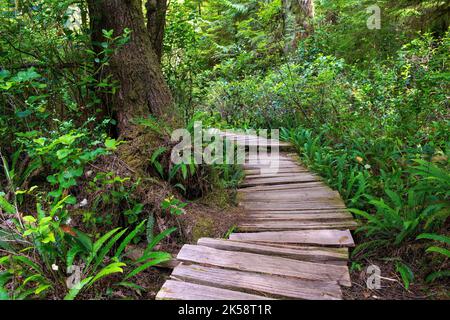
x=61 y=247
x=173 y=205
x=369 y=118
x=405 y=273
x=440 y=250
x=114 y=195
x=66 y=151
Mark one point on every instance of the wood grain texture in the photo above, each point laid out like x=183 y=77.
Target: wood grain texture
x=256 y=283
x=258 y=263
x=296 y=225
x=312 y=254
x=179 y=290
x=315 y=237
x=300 y=216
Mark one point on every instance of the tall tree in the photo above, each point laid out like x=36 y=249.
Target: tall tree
x=298 y=24
x=156 y=21
x=136 y=65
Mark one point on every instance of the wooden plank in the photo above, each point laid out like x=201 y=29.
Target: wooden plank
x=327 y=216
x=313 y=254
x=273 y=164
x=290 y=206
x=272 y=174
x=326 y=202
x=314 y=237
x=290 y=194
x=298 y=211
x=256 y=283
x=179 y=290
x=250 y=172
x=280 y=180
x=263 y=143
x=250 y=166
x=268 y=156
x=291 y=186
x=343 y=250
x=251 y=262
x=296 y=225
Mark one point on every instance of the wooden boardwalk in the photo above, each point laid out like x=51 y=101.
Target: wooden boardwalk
x=293 y=243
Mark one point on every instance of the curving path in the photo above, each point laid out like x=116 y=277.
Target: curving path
x=293 y=243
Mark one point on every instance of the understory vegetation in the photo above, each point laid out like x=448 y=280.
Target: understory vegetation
x=88 y=208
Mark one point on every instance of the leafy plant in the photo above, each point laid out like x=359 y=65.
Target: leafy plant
x=173 y=205
x=439 y=250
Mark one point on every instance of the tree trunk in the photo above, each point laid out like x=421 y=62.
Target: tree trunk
x=136 y=66
x=156 y=22
x=298 y=15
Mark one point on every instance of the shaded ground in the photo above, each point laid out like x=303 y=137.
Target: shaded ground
x=392 y=287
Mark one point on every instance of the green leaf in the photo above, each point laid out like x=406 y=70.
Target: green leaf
x=437 y=275
x=6 y=206
x=71 y=295
x=71 y=254
x=63 y=153
x=107 y=248
x=98 y=244
x=131 y=285
x=433 y=236
x=41 y=289
x=159 y=237
x=115 y=267
x=29 y=219
x=129 y=238
x=157 y=153
x=111 y=144
x=366 y=215
x=28 y=262
x=162 y=258
x=406 y=274
x=84 y=240
x=440 y=250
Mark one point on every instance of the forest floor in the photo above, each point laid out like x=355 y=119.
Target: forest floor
x=391 y=287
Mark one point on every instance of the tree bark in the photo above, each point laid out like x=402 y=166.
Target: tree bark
x=156 y=22
x=136 y=66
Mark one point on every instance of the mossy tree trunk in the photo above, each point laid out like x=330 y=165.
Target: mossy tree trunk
x=136 y=66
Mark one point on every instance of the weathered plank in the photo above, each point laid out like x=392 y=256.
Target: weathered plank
x=290 y=206
x=291 y=186
x=296 y=225
x=253 y=166
x=272 y=174
x=313 y=254
x=279 y=180
x=298 y=211
x=298 y=246
x=327 y=216
x=275 y=286
x=264 y=143
x=260 y=154
x=250 y=172
x=180 y=290
x=315 y=237
x=270 y=164
x=289 y=195
x=292 y=197
x=251 y=262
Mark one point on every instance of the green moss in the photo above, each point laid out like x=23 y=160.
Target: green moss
x=221 y=198
x=204 y=227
